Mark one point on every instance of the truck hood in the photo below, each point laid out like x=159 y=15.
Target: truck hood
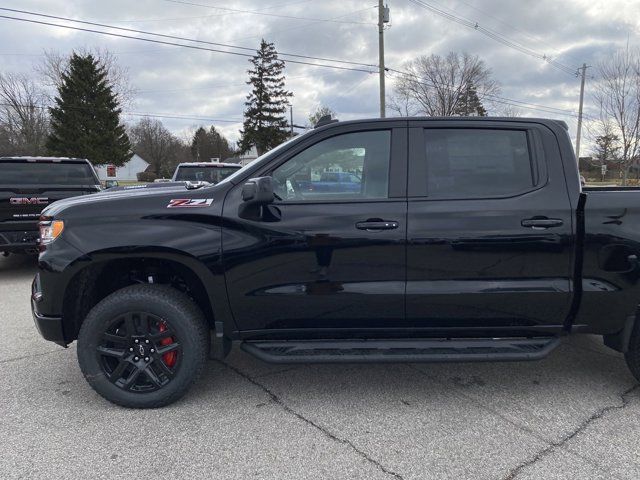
x=108 y=197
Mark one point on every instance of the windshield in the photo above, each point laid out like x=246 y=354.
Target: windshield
x=204 y=174
x=46 y=173
x=240 y=172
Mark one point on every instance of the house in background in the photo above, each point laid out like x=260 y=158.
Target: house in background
x=127 y=173
x=244 y=158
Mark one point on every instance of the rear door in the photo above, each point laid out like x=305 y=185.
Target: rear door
x=490 y=243
x=325 y=257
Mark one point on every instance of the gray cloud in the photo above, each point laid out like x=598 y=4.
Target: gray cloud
x=182 y=82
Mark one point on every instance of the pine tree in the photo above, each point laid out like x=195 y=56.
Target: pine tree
x=265 y=123
x=469 y=104
x=85 y=121
x=206 y=145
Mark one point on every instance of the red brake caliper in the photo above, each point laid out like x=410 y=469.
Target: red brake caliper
x=168 y=358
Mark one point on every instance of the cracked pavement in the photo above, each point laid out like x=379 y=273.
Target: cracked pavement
x=575 y=414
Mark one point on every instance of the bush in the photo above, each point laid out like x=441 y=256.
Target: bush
x=146 y=176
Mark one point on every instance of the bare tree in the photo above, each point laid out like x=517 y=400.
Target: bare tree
x=617 y=93
x=24 y=120
x=436 y=86
x=509 y=110
x=55 y=64
x=319 y=112
x=157 y=145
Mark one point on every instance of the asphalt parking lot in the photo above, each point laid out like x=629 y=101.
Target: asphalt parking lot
x=574 y=415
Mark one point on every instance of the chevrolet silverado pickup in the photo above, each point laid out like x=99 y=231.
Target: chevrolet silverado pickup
x=27 y=185
x=467 y=239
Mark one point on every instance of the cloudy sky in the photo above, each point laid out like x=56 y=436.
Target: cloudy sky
x=181 y=82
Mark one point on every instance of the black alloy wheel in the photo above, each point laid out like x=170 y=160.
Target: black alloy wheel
x=139 y=352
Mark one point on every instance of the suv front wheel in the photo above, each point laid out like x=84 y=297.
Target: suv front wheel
x=143 y=346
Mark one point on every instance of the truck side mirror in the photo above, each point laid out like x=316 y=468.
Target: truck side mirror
x=258 y=191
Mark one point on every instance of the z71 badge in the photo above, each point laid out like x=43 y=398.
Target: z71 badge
x=190 y=202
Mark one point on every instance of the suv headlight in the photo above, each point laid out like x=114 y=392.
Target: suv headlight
x=50 y=230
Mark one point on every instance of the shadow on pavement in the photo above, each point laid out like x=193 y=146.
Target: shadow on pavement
x=17 y=264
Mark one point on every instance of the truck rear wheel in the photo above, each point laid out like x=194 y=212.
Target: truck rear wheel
x=143 y=346
x=632 y=355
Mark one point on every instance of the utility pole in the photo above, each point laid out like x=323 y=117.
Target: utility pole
x=383 y=17
x=579 y=133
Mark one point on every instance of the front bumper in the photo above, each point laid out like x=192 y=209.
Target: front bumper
x=51 y=328
x=19 y=241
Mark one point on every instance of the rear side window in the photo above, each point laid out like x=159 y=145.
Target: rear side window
x=46 y=173
x=477 y=163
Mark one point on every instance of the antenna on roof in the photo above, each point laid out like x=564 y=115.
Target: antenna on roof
x=325 y=120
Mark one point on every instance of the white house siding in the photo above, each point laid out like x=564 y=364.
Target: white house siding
x=128 y=172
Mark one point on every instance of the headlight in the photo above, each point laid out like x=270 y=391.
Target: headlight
x=50 y=230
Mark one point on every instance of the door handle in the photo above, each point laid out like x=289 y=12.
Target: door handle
x=377 y=225
x=541 y=223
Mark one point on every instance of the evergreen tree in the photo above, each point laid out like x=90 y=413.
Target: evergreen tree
x=265 y=123
x=469 y=104
x=206 y=145
x=85 y=121
x=607 y=148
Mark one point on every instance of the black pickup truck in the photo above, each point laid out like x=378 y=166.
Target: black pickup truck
x=467 y=240
x=27 y=185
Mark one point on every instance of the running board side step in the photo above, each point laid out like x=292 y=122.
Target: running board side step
x=387 y=351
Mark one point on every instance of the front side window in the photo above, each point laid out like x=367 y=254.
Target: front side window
x=476 y=163
x=347 y=166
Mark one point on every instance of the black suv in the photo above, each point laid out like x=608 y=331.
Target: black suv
x=29 y=184
x=454 y=239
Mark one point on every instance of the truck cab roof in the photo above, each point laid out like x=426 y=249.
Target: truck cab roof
x=44 y=159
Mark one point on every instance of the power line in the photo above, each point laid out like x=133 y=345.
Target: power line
x=134 y=114
x=161 y=42
x=515 y=29
x=494 y=98
x=495 y=36
x=174 y=37
x=253 y=12
x=225 y=85
x=205 y=16
x=299 y=26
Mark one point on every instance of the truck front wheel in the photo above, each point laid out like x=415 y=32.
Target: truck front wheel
x=143 y=346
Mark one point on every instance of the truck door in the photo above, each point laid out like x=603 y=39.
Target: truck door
x=489 y=241
x=326 y=254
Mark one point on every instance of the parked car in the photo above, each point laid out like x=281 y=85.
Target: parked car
x=210 y=172
x=333 y=182
x=29 y=184
x=470 y=239
x=111 y=183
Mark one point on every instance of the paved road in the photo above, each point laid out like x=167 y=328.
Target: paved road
x=573 y=415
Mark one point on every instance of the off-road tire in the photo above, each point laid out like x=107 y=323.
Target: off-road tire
x=632 y=355
x=174 y=307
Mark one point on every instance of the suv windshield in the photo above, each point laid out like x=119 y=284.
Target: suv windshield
x=204 y=174
x=46 y=173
